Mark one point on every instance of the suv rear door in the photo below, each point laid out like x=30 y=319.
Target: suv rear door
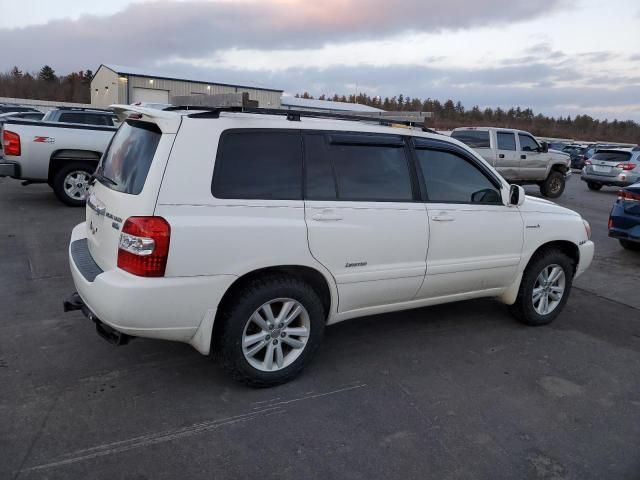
x=533 y=163
x=127 y=182
x=508 y=162
x=365 y=222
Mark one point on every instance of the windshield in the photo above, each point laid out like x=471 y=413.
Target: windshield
x=125 y=165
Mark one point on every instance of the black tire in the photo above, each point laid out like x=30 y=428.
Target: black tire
x=628 y=245
x=235 y=316
x=594 y=186
x=554 y=185
x=59 y=180
x=523 y=309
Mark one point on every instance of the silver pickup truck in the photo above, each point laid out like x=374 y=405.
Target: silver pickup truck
x=64 y=155
x=519 y=157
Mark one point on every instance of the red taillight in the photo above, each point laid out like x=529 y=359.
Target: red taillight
x=610 y=225
x=11 y=142
x=629 y=196
x=587 y=162
x=144 y=246
x=626 y=166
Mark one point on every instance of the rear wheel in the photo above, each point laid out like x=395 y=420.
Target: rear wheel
x=594 y=186
x=270 y=331
x=628 y=245
x=71 y=183
x=545 y=287
x=554 y=185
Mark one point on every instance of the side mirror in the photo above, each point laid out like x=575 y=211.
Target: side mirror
x=545 y=147
x=516 y=195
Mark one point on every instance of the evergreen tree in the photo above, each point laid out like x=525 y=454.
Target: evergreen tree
x=47 y=74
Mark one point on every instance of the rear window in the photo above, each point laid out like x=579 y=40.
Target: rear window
x=265 y=165
x=125 y=165
x=86 y=118
x=612 y=156
x=473 y=138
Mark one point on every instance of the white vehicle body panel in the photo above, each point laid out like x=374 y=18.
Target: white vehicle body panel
x=413 y=258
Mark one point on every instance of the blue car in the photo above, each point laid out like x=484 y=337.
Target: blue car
x=624 y=220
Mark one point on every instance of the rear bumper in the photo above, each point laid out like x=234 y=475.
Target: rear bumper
x=587 y=251
x=620 y=180
x=9 y=169
x=163 y=308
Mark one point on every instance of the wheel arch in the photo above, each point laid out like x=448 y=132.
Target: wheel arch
x=566 y=246
x=318 y=281
x=64 y=156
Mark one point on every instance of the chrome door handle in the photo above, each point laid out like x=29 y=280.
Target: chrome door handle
x=443 y=218
x=327 y=216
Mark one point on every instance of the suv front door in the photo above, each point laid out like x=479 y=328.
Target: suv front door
x=475 y=240
x=533 y=163
x=365 y=222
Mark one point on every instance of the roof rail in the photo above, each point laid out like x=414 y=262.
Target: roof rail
x=84 y=109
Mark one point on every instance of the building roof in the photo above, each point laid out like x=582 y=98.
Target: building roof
x=293 y=102
x=141 y=72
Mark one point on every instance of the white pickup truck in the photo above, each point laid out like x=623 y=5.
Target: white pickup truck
x=519 y=157
x=64 y=155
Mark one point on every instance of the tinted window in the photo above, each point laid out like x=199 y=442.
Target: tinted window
x=527 y=143
x=259 y=165
x=612 y=156
x=506 y=141
x=473 y=138
x=370 y=172
x=320 y=182
x=32 y=116
x=126 y=163
x=72 y=118
x=450 y=178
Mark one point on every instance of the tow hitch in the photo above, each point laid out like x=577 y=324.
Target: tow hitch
x=74 y=302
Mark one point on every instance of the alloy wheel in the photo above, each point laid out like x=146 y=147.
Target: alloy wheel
x=548 y=289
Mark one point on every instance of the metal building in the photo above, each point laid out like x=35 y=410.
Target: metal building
x=125 y=85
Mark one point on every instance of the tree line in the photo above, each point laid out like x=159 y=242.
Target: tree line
x=449 y=114
x=46 y=85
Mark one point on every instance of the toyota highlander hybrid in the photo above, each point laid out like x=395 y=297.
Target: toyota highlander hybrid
x=245 y=233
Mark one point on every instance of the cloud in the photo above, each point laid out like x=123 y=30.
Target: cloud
x=145 y=32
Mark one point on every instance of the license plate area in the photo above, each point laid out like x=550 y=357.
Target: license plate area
x=601 y=169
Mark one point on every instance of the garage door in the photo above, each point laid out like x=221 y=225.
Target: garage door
x=150 y=95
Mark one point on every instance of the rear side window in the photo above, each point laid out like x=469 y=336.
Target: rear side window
x=263 y=165
x=506 y=141
x=125 y=165
x=473 y=138
x=612 y=156
x=450 y=178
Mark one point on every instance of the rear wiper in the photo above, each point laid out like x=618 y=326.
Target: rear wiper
x=102 y=178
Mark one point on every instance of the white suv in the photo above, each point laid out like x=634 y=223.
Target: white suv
x=244 y=234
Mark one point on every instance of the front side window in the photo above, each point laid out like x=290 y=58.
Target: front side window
x=473 y=138
x=527 y=143
x=264 y=165
x=125 y=165
x=449 y=178
x=506 y=141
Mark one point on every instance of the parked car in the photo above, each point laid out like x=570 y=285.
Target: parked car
x=578 y=155
x=63 y=155
x=204 y=227
x=84 y=116
x=624 y=220
x=618 y=167
x=518 y=157
x=559 y=146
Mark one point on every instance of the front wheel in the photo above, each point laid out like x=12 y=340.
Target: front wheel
x=71 y=183
x=545 y=287
x=553 y=186
x=628 y=245
x=270 y=331
x=594 y=186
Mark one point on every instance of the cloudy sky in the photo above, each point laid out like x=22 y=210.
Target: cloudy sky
x=556 y=56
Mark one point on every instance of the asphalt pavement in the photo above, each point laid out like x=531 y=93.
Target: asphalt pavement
x=458 y=391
